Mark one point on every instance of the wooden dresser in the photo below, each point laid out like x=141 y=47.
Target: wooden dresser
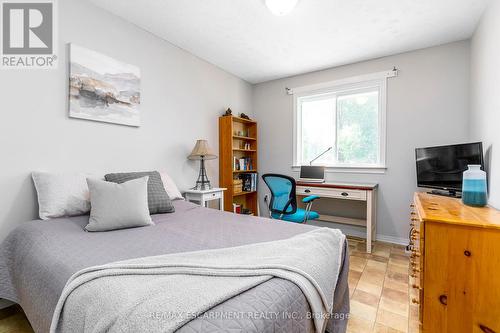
x=455 y=265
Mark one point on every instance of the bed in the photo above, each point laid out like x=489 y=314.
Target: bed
x=38 y=258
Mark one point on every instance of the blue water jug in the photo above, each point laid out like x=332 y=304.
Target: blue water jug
x=474 y=191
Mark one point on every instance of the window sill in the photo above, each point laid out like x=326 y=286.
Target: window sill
x=350 y=169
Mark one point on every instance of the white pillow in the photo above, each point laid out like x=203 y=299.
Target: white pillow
x=118 y=206
x=61 y=194
x=172 y=190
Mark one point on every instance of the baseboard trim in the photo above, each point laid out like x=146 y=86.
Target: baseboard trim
x=393 y=240
x=382 y=238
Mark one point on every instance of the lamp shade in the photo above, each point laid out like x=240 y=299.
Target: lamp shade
x=202 y=150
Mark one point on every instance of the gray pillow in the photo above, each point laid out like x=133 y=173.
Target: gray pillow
x=118 y=206
x=158 y=200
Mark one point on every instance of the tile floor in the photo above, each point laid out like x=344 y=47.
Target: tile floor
x=379 y=290
x=12 y=320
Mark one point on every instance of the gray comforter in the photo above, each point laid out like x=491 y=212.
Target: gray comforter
x=37 y=259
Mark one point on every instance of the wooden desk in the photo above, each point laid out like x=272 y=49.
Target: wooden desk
x=347 y=191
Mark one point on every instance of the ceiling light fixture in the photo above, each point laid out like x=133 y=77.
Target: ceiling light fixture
x=281 y=7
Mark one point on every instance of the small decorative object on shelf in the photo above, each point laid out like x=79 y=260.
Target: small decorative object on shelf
x=202 y=152
x=247 y=146
x=228 y=112
x=240 y=133
x=236 y=208
x=246 y=211
x=244 y=116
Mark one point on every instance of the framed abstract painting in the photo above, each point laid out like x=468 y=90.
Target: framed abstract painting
x=103 y=89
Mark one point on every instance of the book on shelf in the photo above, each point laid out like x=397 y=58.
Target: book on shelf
x=249 y=181
x=242 y=164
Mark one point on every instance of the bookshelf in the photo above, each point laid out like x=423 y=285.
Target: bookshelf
x=238 y=147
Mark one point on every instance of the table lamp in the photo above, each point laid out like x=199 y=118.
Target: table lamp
x=202 y=152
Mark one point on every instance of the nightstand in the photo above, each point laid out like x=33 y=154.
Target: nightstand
x=202 y=197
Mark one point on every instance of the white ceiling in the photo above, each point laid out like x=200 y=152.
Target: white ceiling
x=244 y=38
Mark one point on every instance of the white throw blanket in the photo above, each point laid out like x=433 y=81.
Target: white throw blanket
x=162 y=293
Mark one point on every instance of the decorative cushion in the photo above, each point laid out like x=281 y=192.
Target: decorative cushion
x=118 y=206
x=169 y=185
x=61 y=194
x=158 y=200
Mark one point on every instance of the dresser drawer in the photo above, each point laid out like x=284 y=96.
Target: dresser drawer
x=212 y=196
x=417 y=259
x=332 y=193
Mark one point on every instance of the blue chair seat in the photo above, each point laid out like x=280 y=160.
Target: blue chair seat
x=298 y=217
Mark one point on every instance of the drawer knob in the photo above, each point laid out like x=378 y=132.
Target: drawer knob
x=345 y=194
x=467 y=253
x=486 y=329
x=415 y=301
x=443 y=299
x=307 y=190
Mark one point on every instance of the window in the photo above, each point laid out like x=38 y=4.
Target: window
x=350 y=118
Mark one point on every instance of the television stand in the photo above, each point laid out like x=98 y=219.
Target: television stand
x=446 y=193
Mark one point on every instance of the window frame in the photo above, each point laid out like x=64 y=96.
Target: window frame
x=340 y=88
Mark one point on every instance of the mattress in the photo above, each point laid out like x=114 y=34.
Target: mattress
x=38 y=257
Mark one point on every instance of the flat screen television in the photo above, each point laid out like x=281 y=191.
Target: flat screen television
x=442 y=167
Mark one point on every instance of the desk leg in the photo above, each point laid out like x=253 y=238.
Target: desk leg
x=374 y=212
x=369 y=220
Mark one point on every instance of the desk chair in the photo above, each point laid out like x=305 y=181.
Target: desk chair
x=283 y=203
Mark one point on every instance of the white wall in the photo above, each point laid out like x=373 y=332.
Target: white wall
x=485 y=92
x=182 y=96
x=427 y=105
